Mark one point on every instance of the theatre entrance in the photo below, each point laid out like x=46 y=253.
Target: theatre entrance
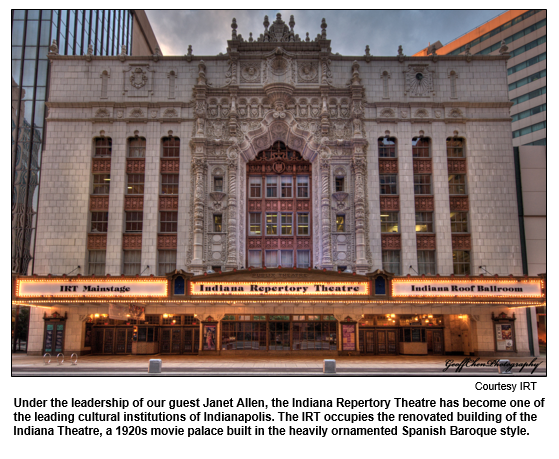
x=435 y=341
x=179 y=340
x=378 y=341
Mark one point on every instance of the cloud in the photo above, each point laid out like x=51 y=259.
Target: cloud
x=349 y=30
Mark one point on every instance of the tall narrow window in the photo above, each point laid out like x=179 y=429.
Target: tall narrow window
x=426 y=262
x=218 y=183
x=387 y=147
x=134 y=222
x=167 y=262
x=255 y=227
x=271 y=187
x=303 y=224
x=287 y=258
x=169 y=184
x=271 y=224
x=457 y=184
x=286 y=186
x=421 y=147
x=459 y=222
x=97 y=262
x=453 y=77
x=255 y=187
x=391 y=261
x=99 y=222
x=171 y=147
x=422 y=184
x=303 y=259
x=131 y=262
x=302 y=187
x=424 y=222
x=385 y=77
x=168 y=222
x=389 y=222
x=271 y=258
x=339 y=184
x=137 y=147
x=388 y=184
x=103 y=147
x=340 y=223
x=218 y=224
x=454 y=147
x=461 y=262
x=286 y=224
x=255 y=258
x=135 y=184
x=101 y=183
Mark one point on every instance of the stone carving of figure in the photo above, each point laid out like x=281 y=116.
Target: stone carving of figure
x=200 y=123
x=54 y=47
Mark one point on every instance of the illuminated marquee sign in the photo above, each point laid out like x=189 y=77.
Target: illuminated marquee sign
x=466 y=288
x=279 y=288
x=61 y=288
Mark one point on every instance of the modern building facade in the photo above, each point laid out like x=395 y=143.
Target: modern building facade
x=110 y=33
x=279 y=198
x=524 y=33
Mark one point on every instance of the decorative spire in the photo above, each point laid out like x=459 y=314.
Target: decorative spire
x=323 y=27
x=266 y=23
x=292 y=22
x=189 y=50
x=234 y=27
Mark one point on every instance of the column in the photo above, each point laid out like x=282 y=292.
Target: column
x=151 y=200
x=325 y=211
x=232 y=166
x=360 y=172
x=200 y=169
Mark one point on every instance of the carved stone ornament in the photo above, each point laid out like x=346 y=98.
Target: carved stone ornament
x=250 y=73
x=438 y=113
x=421 y=113
x=455 y=113
x=102 y=113
x=119 y=113
x=307 y=72
x=170 y=113
x=136 y=113
x=279 y=66
x=138 y=78
x=387 y=113
x=419 y=81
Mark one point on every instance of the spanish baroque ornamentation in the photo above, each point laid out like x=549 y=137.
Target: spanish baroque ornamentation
x=137 y=113
x=250 y=73
x=132 y=241
x=102 y=113
x=99 y=203
x=387 y=113
x=138 y=78
x=96 y=241
x=461 y=242
x=424 y=204
x=455 y=113
x=307 y=72
x=167 y=241
x=421 y=113
x=391 y=242
x=170 y=113
x=133 y=203
x=459 y=203
x=419 y=81
x=426 y=241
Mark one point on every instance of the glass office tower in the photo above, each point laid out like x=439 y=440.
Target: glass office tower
x=32 y=33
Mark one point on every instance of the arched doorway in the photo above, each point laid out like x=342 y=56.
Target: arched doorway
x=279 y=217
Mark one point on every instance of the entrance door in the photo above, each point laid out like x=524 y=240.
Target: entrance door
x=191 y=342
x=166 y=337
x=435 y=342
x=378 y=342
x=124 y=341
x=104 y=341
x=280 y=336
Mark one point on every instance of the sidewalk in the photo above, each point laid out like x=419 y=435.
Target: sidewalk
x=245 y=365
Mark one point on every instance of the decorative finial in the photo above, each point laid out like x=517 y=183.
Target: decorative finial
x=292 y=22
x=266 y=22
x=278 y=17
x=53 y=49
x=367 y=51
x=308 y=38
x=123 y=50
x=504 y=48
x=90 y=50
x=189 y=50
x=400 y=51
x=250 y=39
x=323 y=27
x=234 y=27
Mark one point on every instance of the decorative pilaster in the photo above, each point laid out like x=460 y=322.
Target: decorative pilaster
x=200 y=168
x=232 y=212
x=360 y=174
x=325 y=210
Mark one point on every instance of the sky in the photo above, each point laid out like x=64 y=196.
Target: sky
x=350 y=30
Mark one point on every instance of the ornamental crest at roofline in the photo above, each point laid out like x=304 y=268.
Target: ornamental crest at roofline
x=279 y=32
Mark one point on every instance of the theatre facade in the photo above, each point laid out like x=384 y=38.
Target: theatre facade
x=278 y=198
x=283 y=310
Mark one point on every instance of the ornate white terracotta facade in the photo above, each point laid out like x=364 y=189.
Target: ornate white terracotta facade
x=225 y=109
